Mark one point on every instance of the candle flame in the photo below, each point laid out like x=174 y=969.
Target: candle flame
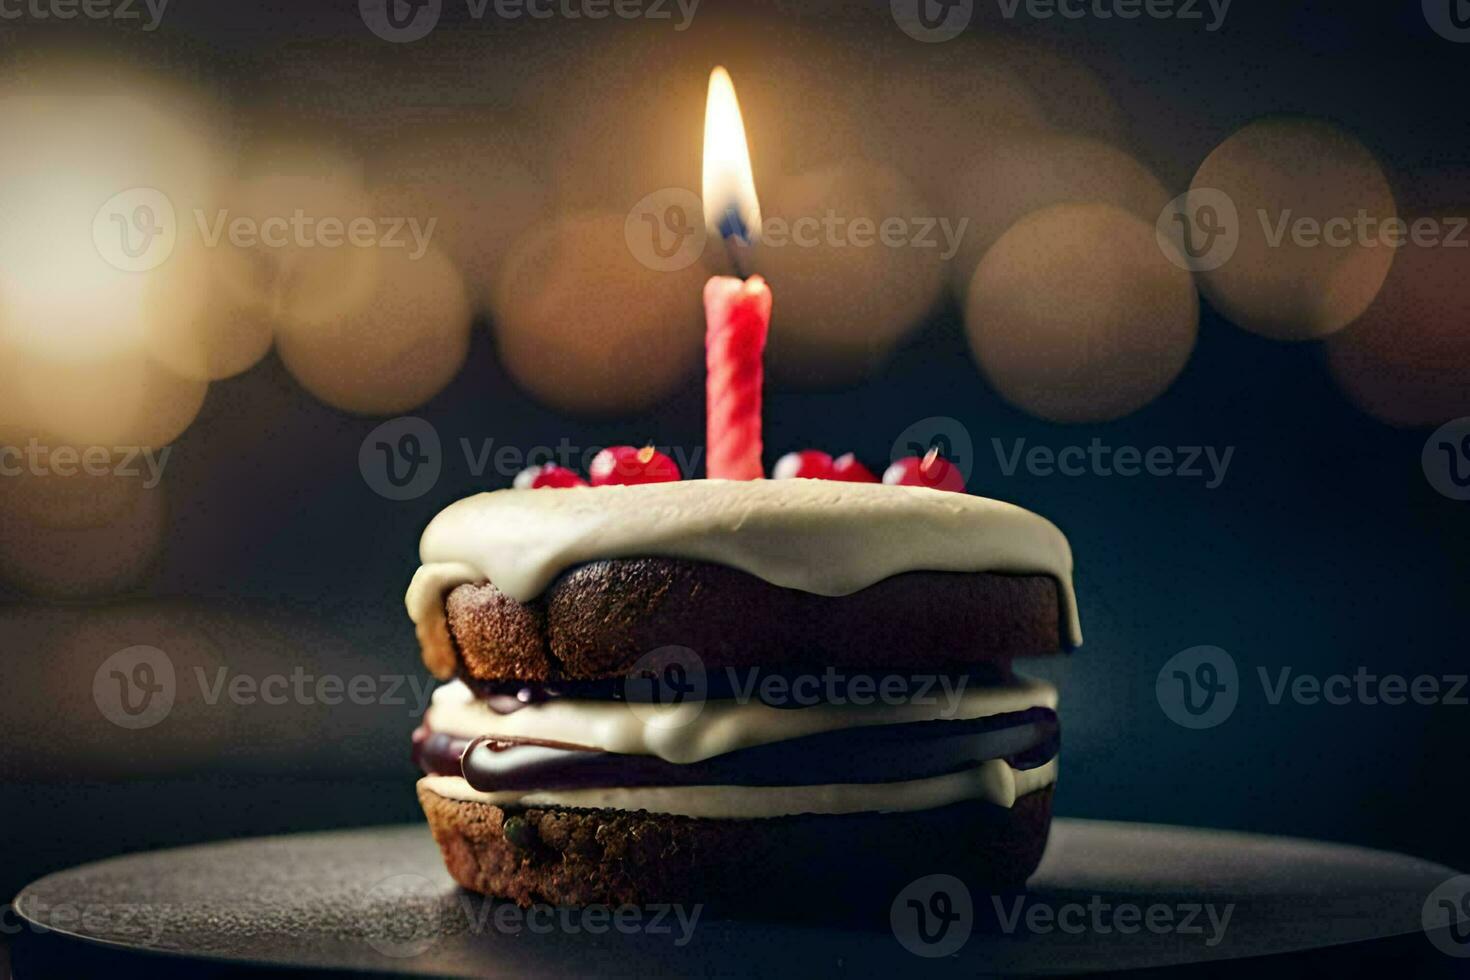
x=730 y=206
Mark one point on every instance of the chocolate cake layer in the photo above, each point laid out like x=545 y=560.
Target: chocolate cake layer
x=598 y=619
x=807 y=864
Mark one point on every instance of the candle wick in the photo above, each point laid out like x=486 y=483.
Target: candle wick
x=736 y=237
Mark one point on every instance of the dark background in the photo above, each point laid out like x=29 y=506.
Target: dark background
x=1325 y=548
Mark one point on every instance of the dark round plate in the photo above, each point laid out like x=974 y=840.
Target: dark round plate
x=1108 y=897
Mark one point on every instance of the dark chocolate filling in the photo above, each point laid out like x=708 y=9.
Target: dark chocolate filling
x=873 y=754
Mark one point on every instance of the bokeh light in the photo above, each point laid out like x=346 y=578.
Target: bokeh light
x=584 y=326
x=466 y=172
x=397 y=347
x=1076 y=316
x=1406 y=361
x=1026 y=172
x=69 y=536
x=1283 y=281
x=937 y=109
x=842 y=305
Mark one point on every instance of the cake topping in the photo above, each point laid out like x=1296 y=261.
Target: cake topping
x=818 y=536
x=805 y=464
x=626 y=465
x=847 y=467
x=931 y=470
x=547 y=476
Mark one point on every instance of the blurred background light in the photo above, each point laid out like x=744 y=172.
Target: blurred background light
x=1277 y=172
x=1406 y=361
x=584 y=326
x=841 y=307
x=1075 y=315
x=402 y=341
x=467 y=171
x=1024 y=172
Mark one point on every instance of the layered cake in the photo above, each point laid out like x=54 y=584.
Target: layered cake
x=732 y=691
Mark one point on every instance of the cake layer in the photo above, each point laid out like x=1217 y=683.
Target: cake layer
x=809 y=864
x=598 y=619
x=802 y=539
x=695 y=732
x=888 y=753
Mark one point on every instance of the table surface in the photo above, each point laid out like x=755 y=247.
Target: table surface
x=1108 y=896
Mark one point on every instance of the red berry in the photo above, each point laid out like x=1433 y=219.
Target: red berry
x=928 y=471
x=808 y=464
x=847 y=468
x=550 y=475
x=629 y=464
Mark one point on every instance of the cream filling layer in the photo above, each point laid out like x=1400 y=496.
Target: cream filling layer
x=696 y=731
x=820 y=536
x=993 y=782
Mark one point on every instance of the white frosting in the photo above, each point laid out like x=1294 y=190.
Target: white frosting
x=695 y=732
x=993 y=781
x=820 y=536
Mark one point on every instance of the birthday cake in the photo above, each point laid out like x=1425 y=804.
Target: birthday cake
x=724 y=691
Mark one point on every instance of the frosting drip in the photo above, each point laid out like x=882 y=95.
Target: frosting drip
x=820 y=536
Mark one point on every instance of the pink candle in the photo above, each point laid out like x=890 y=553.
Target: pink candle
x=737 y=314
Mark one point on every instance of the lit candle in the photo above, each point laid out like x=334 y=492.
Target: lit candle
x=737 y=311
